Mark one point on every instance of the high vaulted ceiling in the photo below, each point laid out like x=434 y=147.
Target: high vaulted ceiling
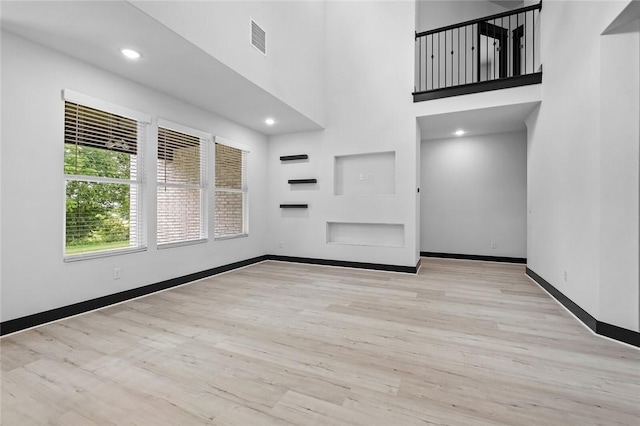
x=94 y=31
x=509 y=4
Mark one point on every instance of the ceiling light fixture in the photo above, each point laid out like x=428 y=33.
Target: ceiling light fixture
x=270 y=121
x=459 y=132
x=130 y=53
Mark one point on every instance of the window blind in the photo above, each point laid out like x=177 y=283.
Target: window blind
x=181 y=187
x=102 y=166
x=90 y=127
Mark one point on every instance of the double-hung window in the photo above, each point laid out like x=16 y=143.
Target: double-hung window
x=230 y=189
x=103 y=146
x=182 y=177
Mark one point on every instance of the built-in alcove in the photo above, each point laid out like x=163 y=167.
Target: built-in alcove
x=366 y=173
x=366 y=234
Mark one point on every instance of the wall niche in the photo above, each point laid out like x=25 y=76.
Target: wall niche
x=366 y=234
x=371 y=173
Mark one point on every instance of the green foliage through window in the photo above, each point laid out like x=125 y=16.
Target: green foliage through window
x=103 y=146
x=97 y=213
x=88 y=161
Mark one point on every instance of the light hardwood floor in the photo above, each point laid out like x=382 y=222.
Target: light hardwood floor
x=461 y=343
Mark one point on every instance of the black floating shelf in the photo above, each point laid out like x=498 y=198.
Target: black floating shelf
x=294 y=206
x=303 y=180
x=294 y=157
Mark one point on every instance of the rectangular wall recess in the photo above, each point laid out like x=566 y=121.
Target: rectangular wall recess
x=368 y=173
x=366 y=234
x=294 y=206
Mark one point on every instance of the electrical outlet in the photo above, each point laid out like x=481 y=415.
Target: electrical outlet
x=117 y=273
x=565 y=275
x=280 y=244
x=493 y=245
x=361 y=176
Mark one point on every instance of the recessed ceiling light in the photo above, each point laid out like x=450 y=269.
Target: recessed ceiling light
x=130 y=53
x=270 y=121
x=459 y=132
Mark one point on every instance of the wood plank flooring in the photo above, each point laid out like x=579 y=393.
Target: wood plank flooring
x=461 y=343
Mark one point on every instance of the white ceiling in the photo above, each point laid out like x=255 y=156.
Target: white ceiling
x=629 y=14
x=502 y=119
x=509 y=4
x=95 y=31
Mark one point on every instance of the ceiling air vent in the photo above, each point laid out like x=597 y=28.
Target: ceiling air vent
x=258 y=37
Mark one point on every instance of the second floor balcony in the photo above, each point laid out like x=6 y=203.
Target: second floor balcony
x=494 y=52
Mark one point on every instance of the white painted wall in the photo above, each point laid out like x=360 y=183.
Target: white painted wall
x=620 y=176
x=34 y=276
x=418 y=195
x=293 y=69
x=435 y=14
x=474 y=192
x=479 y=101
x=369 y=80
x=571 y=164
x=371 y=173
x=1 y=186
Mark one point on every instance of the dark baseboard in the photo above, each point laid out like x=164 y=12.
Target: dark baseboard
x=576 y=310
x=614 y=332
x=40 y=318
x=602 y=328
x=346 y=264
x=474 y=257
x=618 y=333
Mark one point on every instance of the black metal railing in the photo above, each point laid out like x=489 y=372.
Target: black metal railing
x=496 y=48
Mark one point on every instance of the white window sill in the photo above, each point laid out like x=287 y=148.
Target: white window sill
x=99 y=254
x=181 y=243
x=230 y=237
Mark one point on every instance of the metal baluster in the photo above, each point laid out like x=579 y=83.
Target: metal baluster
x=514 y=41
x=439 y=85
x=534 y=40
x=432 y=37
x=509 y=64
x=419 y=64
x=493 y=65
x=458 y=55
x=525 y=42
x=465 y=54
x=452 y=58
x=487 y=45
x=502 y=47
x=473 y=59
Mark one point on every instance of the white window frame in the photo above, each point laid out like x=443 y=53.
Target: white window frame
x=139 y=182
x=244 y=190
x=205 y=141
